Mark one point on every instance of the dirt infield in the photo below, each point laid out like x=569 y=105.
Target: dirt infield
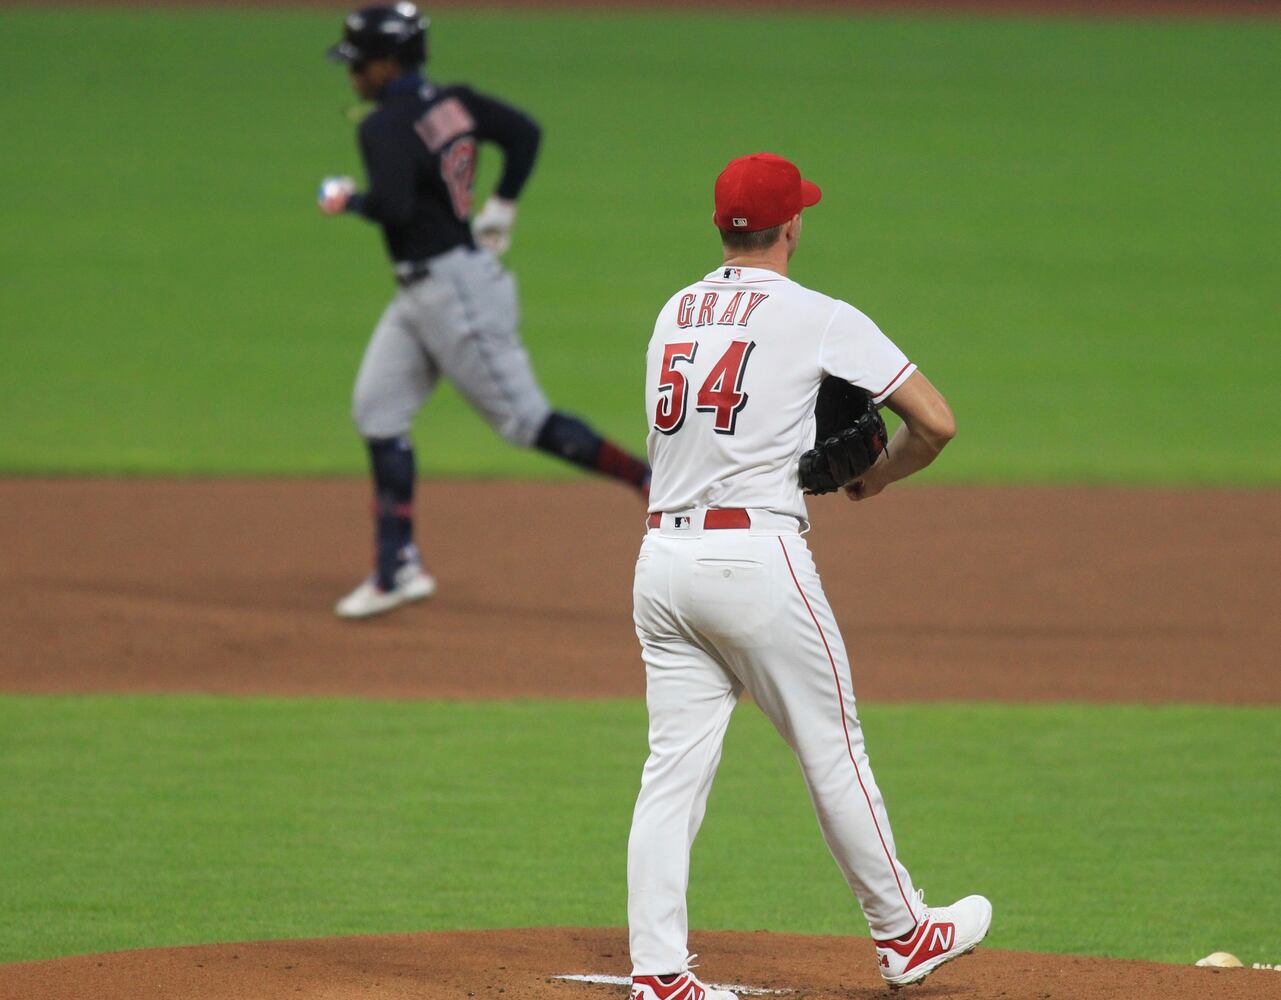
x=525 y=964
x=1012 y=595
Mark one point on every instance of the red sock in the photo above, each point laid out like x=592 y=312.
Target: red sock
x=612 y=461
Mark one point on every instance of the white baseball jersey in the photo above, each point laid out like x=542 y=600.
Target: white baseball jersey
x=733 y=372
x=734 y=602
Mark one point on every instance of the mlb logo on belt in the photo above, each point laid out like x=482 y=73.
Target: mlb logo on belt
x=682 y=521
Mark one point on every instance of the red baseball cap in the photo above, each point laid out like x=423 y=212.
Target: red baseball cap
x=759 y=191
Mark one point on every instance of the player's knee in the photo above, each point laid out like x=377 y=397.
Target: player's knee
x=362 y=412
x=374 y=419
x=509 y=428
x=520 y=429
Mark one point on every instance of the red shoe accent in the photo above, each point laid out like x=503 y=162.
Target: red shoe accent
x=929 y=940
x=683 y=987
x=904 y=945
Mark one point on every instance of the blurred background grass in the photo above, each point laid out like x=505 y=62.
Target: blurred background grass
x=1070 y=224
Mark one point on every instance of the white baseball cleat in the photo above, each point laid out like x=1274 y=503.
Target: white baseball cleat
x=413 y=583
x=683 y=986
x=944 y=933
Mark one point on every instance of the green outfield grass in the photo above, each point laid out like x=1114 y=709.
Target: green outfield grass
x=137 y=822
x=1070 y=224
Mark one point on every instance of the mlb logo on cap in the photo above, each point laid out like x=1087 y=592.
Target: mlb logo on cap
x=760 y=191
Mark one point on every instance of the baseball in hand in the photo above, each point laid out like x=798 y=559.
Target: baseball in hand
x=334 y=193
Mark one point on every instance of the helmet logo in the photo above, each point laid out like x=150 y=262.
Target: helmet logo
x=383 y=32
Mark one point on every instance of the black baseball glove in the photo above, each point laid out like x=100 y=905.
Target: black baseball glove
x=850 y=436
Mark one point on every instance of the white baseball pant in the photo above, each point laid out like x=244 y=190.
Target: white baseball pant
x=718 y=611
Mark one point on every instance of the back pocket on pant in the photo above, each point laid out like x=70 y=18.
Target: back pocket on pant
x=731 y=599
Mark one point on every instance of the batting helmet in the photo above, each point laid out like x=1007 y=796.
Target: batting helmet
x=397 y=32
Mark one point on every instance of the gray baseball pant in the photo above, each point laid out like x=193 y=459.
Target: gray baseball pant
x=460 y=322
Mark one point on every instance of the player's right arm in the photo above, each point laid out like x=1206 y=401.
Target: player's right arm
x=928 y=425
x=389 y=166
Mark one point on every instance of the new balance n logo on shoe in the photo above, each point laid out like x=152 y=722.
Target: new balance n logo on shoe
x=934 y=939
x=928 y=941
x=941 y=937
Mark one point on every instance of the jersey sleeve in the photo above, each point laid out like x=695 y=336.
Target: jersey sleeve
x=855 y=349
x=513 y=131
x=389 y=167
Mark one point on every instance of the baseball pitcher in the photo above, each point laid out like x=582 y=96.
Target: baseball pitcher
x=726 y=595
x=455 y=313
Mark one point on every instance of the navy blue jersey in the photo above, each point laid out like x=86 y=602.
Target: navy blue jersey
x=420 y=146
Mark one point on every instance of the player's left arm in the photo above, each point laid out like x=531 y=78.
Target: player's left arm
x=928 y=425
x=518 y=136
x=855 y=349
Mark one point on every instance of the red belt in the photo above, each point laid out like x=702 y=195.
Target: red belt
x=717 y=517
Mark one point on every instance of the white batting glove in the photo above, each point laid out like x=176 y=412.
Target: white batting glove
x=334 y=193
x=492 y=226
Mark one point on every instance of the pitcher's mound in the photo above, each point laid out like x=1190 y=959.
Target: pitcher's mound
x=527 y=964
